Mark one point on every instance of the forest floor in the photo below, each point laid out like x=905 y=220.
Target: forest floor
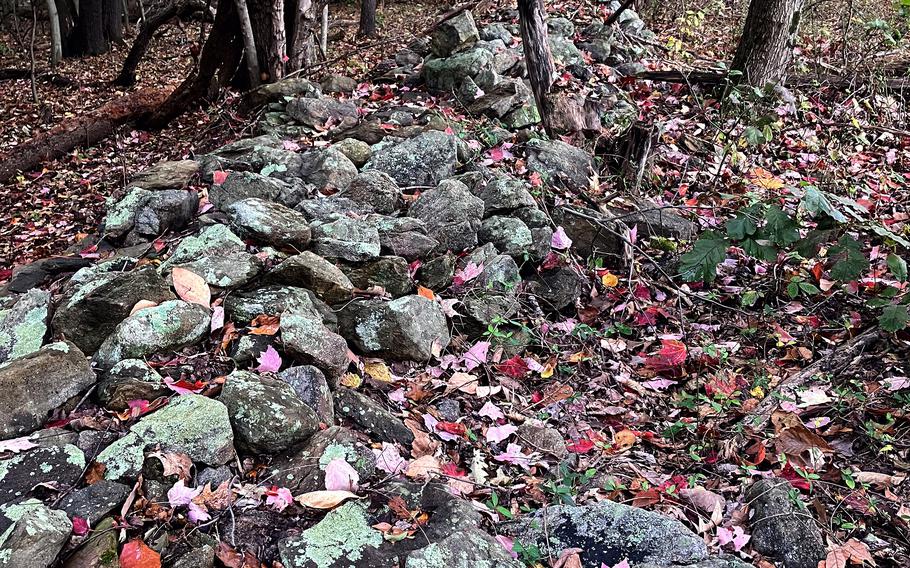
x=670 y=369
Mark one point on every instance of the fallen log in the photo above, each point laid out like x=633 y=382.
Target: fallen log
x=715 y=78
x=12 y=74
x=79 y=132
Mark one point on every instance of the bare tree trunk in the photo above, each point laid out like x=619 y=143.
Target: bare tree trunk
x=56 y=39
x=91 y=27
x=767 y=42
x=267 y=19
x=324 y=31
x=31 y=52
x=249 y=43
x=113 y=23
x=538 y=58
x=367 y=18
x=303 y=46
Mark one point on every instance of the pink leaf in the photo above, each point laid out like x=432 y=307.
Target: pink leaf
x=80 y=526
x=508 y=544
x=514 y=456
x=430 y=422
x=17 y=445
x=217 y=319
x=389 y=459
x=491 y=411
x=535 y=179
x=269 y=361
x=340 y=476
x=496 y=434
x=468 y=273
x=183 y=386
x=180 y=495
x=560 y=240
x=218 y=177
x=624 y=563
x=279 y=498
x=658 y=384
x=198 y=513
x=737 y=537
x=476 y=355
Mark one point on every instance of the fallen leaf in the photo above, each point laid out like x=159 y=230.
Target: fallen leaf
x=423 y=467
x=426 y=293
x=141 y=305
x=17 y=445
x=378 y=371
x=175 y=463
x=324 y=499
x=269 y=361
x=340 y=476
x=191 y=287
x=136 y=554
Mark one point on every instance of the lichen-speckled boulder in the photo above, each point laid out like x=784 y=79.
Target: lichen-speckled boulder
x=61 y=464
x=608 y=533
x=782 y=529
x=357 y=151
x=238 y=186
x=448 y=73
x=347 y=239
x=243 y=307
x=371 y=417
x=303 y=470
x=342 y=538
x=425 y=159
x=454 y=34
x=191 y=424
x=391 y=273
x=328 y=170
x=147 y=214
x=308 y=338
x=33 y=385
x=175 y=174
x=270 y=222
x=315 y=273
x=317 y=112
x=128 y=380
x=226 y=271
x=31 y=535
x=510 y=235
x=403 y=236
x=504 y=194
x=411 y=327
x=376 y=189
x=451 y=214
x=266 y=413
x=166 y=327
x=89 y=314
x=214 y=240
x=310 y=384
x=23 y=325
x=560 y=163
x=464 y=549
x=96 y=501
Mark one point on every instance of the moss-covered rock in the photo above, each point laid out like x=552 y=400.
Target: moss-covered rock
x=309 y=338
x=391 y=273
x=62 y=465
x=411 y=327
x=464 y=549
x=243 y=307
x=32 y=535
x=339 y=539
x=23 y=325
x=425 y=159
x=347 y=239
x=213 y=240
x=510 y=235
x=451 y=214
x=270 y=223
x=228 y=270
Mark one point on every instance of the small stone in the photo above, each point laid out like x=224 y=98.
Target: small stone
x=318 y=112
x=560 y=163
x=198 y=557
x=308 y=338
x=377 y=189
x=592 y=234
x=452 y=215
x=312 y=387
x=781 y=529
x=33 y=535
x=504 y=194
x=150 y=213
x=447 y=73
x=368 y=415
x=454 y=34
x=411 y=327
x=303 y=470
x=510 y=235
x=62 y=465
x=328 y=170
x=557 y=288
x=538 y=437
x=244 y=185
x=347 y=239
x=437 y=274
x=166 y=175
x=96 y=501
x=270 y=223
x=391 y=273
x=129 y=380
x=423 y=160
x=100 y=551
x=335 y=83
x=168 y=326
x=315 y=273
x=24 y=325
x=357 y=151
x=281 y=90
x=561 y=27
x=243 y=307
x=266 y=414
x=327 y=209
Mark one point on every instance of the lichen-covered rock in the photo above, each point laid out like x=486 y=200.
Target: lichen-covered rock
x=39 y=272
x=24 y=324
x=540 y=438
x=266 y=413
x=128 y=380
x=560 y=163
x=357 y=151
x=608 y=533
x=166 y=327
x=310 y=384
x=327 y=209
x=315 y=273
x=564 y=51
x=561 y=27
x=557 y=288
x=782 y=529
x=244 y=185
x=425 y=159
x=403 y=236
x=502 y=99
x=270 y=222
x=147 y=214
x=347 y=239
x=510 y=235
x=100 y=551
x=447 y=73
x=496 y=31
x=318 y=112
x=391 y=273
x=32 y=535
x=243 y=307
x=436 y=274
x=464 y=549
x=62 y=465
x=33 y=385
x=454 y=34
x=91 y=311
x=280 y=91
x=226 y=270
x=340 y=539
x=592 y=234
x=336 y=83
x=191 y=424
x=328 y=170
x=175 y=174
x=96 y=501
x=264 y=154
x=451 y=213
x=503 y=194
x=303 y=470
x=214 y=240
x=411 y=327
x=308 y=338
x=376 y=189
x=499 y=274
x=371 y=417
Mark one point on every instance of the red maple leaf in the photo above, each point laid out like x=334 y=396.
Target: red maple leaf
x=672 y=354
x=453 y=428
x=514 y=367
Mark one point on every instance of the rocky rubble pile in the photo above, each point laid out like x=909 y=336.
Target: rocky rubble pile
x=220 y=358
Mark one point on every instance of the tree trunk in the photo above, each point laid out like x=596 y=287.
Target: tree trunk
x=91 y=27
x=538 y=58
x=766 y=45
x=68 y=20
x=249 y=44
x=267 y=19
x=367 y=18
x=303 y=46
x=56 y=39
x=324 y=31
x=113 y=22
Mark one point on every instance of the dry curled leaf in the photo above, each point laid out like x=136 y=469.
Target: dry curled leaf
x=324 y=499
x=191 y=287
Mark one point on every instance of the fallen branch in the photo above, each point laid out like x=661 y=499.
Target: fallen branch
x=78 y=132
x=615 y=15
x=834 y=363
x=13 y=74
x=714 y=78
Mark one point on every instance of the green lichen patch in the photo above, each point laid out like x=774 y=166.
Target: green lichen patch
x=340 y=539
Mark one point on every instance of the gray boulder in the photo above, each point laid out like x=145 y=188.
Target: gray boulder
x=592 y=234
x=149 y=213
x=23 y=325
x=376 y=189
x=335 y=83
x=32 y=535
x=448 y=73
x=496 y=31
x=471 y=548
x=33 y=385
x=357 y=151
x=451 y=214
x=323 y=112
x=454 y=34
x=504 y=194
x=371 y=417
x=128 y=380
x=423 y=160
x=190 y=423
x=270 y=223
x=436 y=274
x=557 y=288
x=168 y=326
x=561 y=27
x=308 y=338
x=403 y=236
x=96 y=501
x=243 y=185
x=347 y=239
x=327 y=170
x=391 y=273
x=560 y=163
x=175 y=174
x=229 y=270
x=62 y=465
x=310 y=384
x=510 y=235
x=503 y=98
x=782 y=529
x=303 y=470
x=411 y=327
x=315 y=273
x=263 y=154
x=343 y=537
x=243 y=307
x=266 y=414
x=327 y=209
x=280 y=91
x=214 y=240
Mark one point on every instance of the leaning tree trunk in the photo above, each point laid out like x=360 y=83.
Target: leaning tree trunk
x=767 y=42
x=91 y=27
x=249 y=43
x=367 y=18
x=56 y=39
x=538 y=58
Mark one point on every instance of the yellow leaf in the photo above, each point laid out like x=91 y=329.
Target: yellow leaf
x=378 y=371
x=609 y=280
x=547 y=371
x=351 y=380
x=757 y=392
x=324 y=499
x=191 y=287
x=624 y=439
x=426 y=293
x=763 y=178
